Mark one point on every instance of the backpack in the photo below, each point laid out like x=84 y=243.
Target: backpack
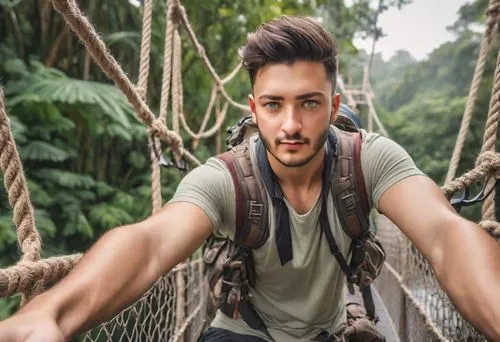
x=229 y=264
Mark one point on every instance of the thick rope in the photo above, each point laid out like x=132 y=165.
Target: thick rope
x=489 y=139
x=202 y=54
x=15 y=183
x=212 y=131
x=492 y=227
x=143 y=89
x=202 y=134
x=487 y=163
x=492 y=20
x=23 y=276
x=177 y=89
x=165 y=91
x=145 y=49
x=208 y=111
x=167 y=63
x=373 y=113
x=233 y=73
x=112 y=69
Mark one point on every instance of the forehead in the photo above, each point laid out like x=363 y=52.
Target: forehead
x=292 y=78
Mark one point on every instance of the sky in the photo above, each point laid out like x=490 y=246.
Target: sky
x=419 y=27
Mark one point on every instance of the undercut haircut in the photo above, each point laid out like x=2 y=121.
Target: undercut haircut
x=288 y=39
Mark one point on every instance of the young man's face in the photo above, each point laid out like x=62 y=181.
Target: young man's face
x=293 y=106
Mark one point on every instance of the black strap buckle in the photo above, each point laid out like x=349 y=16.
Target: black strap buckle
x=164 y=161
x=462 y=197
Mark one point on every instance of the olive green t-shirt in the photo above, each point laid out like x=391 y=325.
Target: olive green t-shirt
x=306 y=295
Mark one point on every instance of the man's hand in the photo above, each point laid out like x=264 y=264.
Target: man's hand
x=30 y=327
x=115 y=272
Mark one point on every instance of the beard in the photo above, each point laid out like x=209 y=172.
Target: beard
x=317 y=145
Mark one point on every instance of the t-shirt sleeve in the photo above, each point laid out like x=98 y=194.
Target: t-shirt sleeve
x=384 y=163
x=211 y=188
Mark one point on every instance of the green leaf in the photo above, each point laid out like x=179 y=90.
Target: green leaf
x=43 y=151
x=38 y=195
x=7 y=230
x=66 y=179
x=78 y=223
x=104 y=189
x=127 y=39
x=44 y=223
x=109 y=216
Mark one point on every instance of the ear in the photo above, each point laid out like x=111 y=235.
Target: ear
x=335 y=106
x=251 y=104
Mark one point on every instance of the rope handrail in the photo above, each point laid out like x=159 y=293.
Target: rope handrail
x=202 y=54
x=142 y=86
x=94 y=44
x=142 y=83
x=22 y=277
x=489 y=139
x=486 y=163
x=23 y=213
x=375 y=116
x=493 y=19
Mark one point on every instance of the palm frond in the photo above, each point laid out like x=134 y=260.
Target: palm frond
x=39 y=196
x=18 y=129
x=43 y=151
x=126 y=38
x=109 y=216
x=104 y=189
x=78 y=223
x=44 y=223
x=7 y=230
x=52 y=86
x=66 y=179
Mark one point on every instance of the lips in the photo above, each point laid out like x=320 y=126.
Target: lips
x=287 y=142
x=292 y=145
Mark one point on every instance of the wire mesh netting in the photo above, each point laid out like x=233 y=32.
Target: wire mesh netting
x=421 y=311
x=172 y=310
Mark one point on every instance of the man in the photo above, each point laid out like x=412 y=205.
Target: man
x=292 y=67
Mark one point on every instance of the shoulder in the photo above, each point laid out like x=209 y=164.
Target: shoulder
x=210 y=187
x=376 y=146
x=384 y=163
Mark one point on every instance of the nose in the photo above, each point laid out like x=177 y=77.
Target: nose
x=291 y=123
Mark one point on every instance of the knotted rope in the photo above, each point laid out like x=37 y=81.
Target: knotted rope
x=202 y=54
x=81 y=26
x=493 y=20
x=487 y=163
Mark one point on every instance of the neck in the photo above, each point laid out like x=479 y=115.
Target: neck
x=304 y=177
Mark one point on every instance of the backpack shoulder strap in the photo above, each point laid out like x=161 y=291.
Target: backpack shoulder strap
x=348 y=185
x=251 y=210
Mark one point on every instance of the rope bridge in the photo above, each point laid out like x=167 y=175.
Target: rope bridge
x=173 y=309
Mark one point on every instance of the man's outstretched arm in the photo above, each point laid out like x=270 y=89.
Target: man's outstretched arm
x=116 y=271
x=465 y=259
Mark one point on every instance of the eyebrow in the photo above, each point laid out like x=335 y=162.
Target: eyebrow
x=299 y=97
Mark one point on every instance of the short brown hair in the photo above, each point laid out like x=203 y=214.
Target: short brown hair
x=288 y=39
